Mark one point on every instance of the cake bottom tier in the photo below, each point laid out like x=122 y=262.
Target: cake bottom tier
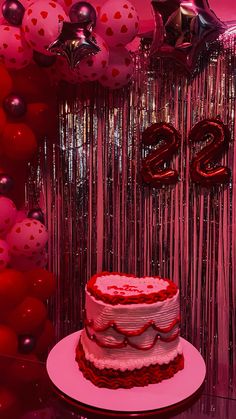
x=114 y=379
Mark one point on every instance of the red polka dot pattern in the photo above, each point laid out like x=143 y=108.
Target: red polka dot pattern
x=42 y=24
x=120 y=69
x=92 y=68
x=14 y=51
x=8 y=214
x=117 y=23
x=28 y=237
x=4 y=254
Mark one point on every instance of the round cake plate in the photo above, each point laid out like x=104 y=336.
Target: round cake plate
x=67 y=378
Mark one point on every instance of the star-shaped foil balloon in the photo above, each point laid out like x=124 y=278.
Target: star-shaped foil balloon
x=183 y=29
x=75 y=41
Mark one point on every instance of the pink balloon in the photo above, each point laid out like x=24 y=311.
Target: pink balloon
x=117 y=23
x=42 y=23
x=8 y=214
x=14 y=50
x=4 y=254
x=28 y=237
x=120 y=69
x=93 y=67
x=26 y=263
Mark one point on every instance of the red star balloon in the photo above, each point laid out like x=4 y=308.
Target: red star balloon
x=182 y=30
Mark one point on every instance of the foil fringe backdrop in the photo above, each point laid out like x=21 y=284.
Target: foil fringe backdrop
x=101 y=216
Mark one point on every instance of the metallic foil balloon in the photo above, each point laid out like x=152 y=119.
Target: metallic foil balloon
x=6 y=183
x=26 y=344
x=75 y=41
x=36 y=214
x=13 y=11
x=14 y=105
x=203 y=169
x=182 y=30
x=43 y=60
x=153 y=171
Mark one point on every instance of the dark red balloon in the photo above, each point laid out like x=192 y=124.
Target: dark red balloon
x=204 y=169
x=15 y=105
x=42 y=283
x=8 y=341
x=6 y=183
x=36 y=214
x=13 y=11
x=27 y=316
x=13 y=289
x=153 y=171
x=26 y=344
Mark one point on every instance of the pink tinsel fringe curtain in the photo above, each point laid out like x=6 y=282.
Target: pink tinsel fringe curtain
x=102 y=217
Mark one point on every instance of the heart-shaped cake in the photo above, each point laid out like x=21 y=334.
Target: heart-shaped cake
x=115 y=288
x=131 y=331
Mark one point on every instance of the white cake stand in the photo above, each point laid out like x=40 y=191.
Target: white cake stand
x=67 y=378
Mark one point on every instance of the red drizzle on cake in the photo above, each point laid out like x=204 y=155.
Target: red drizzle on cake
x=137 y=297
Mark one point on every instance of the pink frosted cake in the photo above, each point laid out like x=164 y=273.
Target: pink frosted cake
x=131 y=331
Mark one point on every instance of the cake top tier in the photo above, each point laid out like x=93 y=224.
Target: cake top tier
x=117 y=288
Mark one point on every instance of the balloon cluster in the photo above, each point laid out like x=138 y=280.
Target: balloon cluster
x=25 y=285
x=22 y=123
x=25 y=335
x=92 y=43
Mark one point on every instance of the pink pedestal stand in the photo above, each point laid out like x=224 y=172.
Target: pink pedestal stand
x=137 y=401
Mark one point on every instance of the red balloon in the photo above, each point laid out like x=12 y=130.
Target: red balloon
x=45 y=339
x=9 y=404
x=13 y=289
x=5 y=82
x=32 y=83
x=42 y=284
x=152 y=170
x=203 y=169
x=27 y=316
x=18 y=141
x=41 y=118
x=8 y=341
x=3 y=120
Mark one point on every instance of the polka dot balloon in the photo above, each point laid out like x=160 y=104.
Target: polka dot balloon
x=14 y=51
x=8 y=214
x=28 y=237
x=117 y=23
x=4 y=254
x=92 y=68
x=42 y=24
x=120 y=69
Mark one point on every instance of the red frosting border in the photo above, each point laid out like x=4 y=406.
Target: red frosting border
x=151 y=298
x=114 y=379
